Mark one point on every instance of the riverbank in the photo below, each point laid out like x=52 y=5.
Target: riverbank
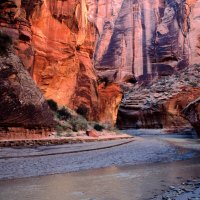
x=55 y=140
x=139 y=182
x=88 y=155
x=187 y=190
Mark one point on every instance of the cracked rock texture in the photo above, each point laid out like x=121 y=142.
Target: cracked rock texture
x=22 y=106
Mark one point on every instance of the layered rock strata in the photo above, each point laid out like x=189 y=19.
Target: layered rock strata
x=160 y=103
x=23 y=109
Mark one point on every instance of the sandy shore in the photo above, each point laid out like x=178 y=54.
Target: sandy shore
x=61 y=140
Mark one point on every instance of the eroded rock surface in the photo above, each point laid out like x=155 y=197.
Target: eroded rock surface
x=63 y=40
x=22 y=105
x=160 y=103
x=146 y=38
x=66 y=45
x=13 y=21
x=192 y=113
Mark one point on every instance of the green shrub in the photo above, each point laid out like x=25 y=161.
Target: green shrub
x=59 y=129
x=193 y=84
x=82 y=110
x=78 y=123
x=98 y=127
x=186 y=79
x=5 y=42
x=63 y=114
x=52 y=104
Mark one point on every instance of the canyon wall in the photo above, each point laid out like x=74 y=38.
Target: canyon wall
x=146 y=38
x=23 y=109
x=64 y=38
x=55 y=41
x=78 y=52
x=63 y=41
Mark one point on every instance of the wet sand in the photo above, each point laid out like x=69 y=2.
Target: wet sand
x=141 y=151
x=137 y=170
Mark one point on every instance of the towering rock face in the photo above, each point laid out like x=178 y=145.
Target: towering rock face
x=143 y=38
x=55 y=41
x=63 y=41
x=66 y=45
x=64 y=38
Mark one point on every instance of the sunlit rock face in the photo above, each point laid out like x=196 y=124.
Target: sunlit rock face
x=56 y=41
x=13 y=21
x=145 y=38
x=109 y=100
x=63 y=41
x=64 y=38
x=66 y=45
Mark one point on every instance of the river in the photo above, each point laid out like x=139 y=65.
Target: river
x=132 y=171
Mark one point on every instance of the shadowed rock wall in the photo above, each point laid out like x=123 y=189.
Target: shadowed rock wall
x=192 y=113
x=146 y=38
x=21 y=102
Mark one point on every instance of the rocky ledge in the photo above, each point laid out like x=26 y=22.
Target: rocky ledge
x=159 y=104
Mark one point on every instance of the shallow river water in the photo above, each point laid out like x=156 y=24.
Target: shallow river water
x=134 y=171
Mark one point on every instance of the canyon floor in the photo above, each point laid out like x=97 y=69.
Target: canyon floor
x=116 y=170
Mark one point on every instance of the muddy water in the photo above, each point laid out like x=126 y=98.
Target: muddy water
x=114 y=183
x=135 y=171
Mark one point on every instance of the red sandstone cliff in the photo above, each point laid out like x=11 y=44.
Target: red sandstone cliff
x=146 y=38
x=66 y=45
x=56 y=42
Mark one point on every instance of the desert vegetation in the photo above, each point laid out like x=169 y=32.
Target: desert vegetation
x=5 y=43
x=69 y=121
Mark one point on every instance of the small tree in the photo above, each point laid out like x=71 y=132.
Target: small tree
x=82 y=110
x=63 y=114
x=98 y=127
x=52 y=104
